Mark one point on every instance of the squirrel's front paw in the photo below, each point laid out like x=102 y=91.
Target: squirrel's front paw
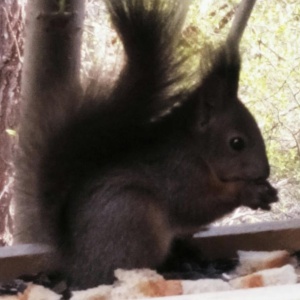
x=259 y=195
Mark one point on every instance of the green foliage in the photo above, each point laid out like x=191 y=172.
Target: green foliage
x=271 y=81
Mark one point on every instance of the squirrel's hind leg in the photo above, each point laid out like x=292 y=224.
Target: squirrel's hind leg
x=128 y=230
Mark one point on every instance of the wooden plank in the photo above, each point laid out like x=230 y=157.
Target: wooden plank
x=217 y=242
x=223 y=242
x=283 y=292
x=22 y=259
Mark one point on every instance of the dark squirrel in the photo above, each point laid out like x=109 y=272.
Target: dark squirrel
x=120 y=180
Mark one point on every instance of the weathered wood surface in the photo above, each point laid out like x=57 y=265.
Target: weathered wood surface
x=217 y=242
x=223 y=242
x=22 y=259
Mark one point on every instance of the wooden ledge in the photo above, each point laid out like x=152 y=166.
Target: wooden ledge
x=18 y=260
x=223 y=242
x=216 y=242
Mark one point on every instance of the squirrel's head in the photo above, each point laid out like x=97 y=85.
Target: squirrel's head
x=230 y=139
x=234 y=146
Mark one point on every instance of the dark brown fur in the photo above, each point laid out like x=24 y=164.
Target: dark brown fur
x=116 y=188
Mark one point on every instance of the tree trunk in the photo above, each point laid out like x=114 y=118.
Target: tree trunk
x=11 y=53
x=51 y=68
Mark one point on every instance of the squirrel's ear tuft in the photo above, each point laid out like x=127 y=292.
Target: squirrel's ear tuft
x=220 y=84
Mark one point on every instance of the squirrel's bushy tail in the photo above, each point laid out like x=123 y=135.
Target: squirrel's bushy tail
x=150 y=32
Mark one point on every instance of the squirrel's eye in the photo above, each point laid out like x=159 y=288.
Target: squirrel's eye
x=237 y=144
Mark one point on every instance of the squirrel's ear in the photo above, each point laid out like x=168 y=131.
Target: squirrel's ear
x=219 y=87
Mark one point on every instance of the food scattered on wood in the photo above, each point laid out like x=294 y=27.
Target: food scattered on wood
x=254 y=269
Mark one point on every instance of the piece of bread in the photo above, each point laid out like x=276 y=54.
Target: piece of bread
x=135 y=276
x=143 y=283
x=147 y=289
x=101 y=292
x=253 y=261
x=38 y=292
x=204 y=286
x=269 y=277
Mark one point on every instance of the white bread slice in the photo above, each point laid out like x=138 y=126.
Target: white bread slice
x=136 y=275
x=269 y=277
x=253 y=261
x=38 y=292
x=143 y=283
x=102 y=292
x=147 y=289
x=204 y=285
